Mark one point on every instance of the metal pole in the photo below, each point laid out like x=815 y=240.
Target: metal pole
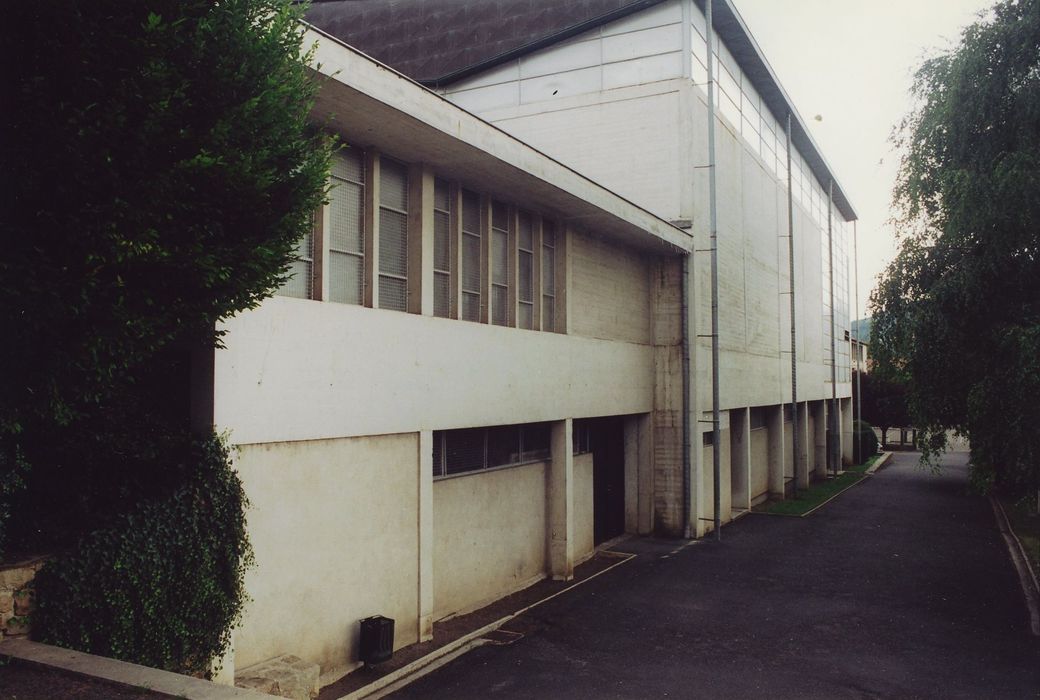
x=687 y=448
x=859 y=374
x=795 y=442
x=833 y=422
x=715 y=431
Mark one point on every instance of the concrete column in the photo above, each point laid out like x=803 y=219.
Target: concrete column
x=777 y=450
x=420 y=240
x=560 y=492
x=847 y=456
x=371 y=261
x=740 y=458
x=645 y=430
x=804 y=461
x=639 y=475
x=819 y=411
x=425 y=539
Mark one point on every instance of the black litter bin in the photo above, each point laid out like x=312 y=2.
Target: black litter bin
x=377 y=639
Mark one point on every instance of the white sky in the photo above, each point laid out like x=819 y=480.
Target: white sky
x=851 y=61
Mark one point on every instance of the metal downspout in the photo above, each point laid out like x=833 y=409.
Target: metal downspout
x=858 y=415
x=716 y=432
x=687 y=448
x=833 y=417
x=794 y=341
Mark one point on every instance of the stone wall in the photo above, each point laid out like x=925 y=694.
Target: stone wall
x=17 y=596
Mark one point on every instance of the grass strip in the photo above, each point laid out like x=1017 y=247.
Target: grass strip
x=1026 y=525
x=818 y=493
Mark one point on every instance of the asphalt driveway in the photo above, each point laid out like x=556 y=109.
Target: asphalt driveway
x=900 y=588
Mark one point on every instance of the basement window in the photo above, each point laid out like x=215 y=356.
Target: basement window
x=471 y=450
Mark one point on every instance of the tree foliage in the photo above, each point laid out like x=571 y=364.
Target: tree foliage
x=163 y=584
x=161 y=169
x=957 y=313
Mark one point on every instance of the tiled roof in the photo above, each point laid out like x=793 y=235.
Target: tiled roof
x=439 y=41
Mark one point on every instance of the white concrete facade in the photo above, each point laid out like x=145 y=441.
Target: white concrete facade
x=344 y=413
x=626 y=104
x=339 y=410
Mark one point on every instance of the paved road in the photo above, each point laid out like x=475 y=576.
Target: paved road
x=901 y=588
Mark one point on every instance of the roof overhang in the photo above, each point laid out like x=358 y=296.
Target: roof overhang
x=731 y=29
x=371 y=105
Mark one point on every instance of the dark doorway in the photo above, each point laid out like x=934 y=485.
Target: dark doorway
x=608 y=477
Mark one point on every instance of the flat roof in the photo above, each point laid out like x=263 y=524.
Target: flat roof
x=372 y=105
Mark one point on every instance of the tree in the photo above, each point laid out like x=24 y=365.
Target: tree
x=883 y=402
x=957 y=313
x=161 y=169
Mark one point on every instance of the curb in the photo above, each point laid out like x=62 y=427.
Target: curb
x=885 y=456
x=881 y=461
x=123 y=673
x=1026 y=575
x=449 y=652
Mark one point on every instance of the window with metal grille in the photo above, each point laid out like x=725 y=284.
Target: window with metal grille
x=788 y=413
x=479 y=449
x=548 y=277
x=525 y=273
x=347 y=227
x=471 y=277
x=393 y=235
x=441 y=249
x=300 y=283
x=499 y=264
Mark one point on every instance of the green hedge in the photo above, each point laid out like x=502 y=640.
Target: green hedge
x=163 y=587
x=864 y=442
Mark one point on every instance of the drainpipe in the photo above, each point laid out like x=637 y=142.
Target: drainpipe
x=833 y=418
x=716 y=433
x=686 y=446
x=795 y=442
x=858 y=415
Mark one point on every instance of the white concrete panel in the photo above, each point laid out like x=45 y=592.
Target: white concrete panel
x=561 y=58
x=315 y=510
x=482 y=99
x=698 y=20
x=295 y=369
x=564 y=84
x=609 y=292
x=668 y=12
x=646 y=42
x=628 y=145
x=504 y=73
x=489 y=536
x=584 y=534
x=638 y=71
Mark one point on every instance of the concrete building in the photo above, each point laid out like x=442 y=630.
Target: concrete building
x=476 y=374
x=617 y=89
x=471 y=324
